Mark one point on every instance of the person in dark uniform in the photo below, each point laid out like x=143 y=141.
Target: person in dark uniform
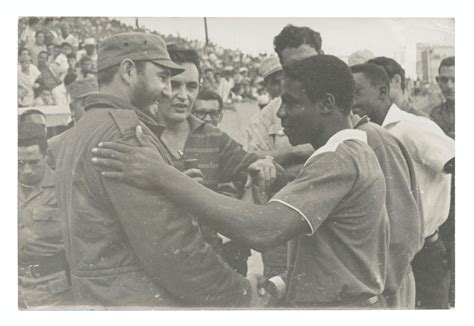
x=42 y=271
x=128 y=246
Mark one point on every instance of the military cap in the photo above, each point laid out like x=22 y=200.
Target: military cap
x=137 y=47
x=28 y=130
x=269 y=66
x=82 y=88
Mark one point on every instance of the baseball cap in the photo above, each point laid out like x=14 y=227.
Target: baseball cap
x=269 y=66
x=137 y=47
x=82 y=88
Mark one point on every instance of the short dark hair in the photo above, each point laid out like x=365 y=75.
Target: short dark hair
x=322 y=74
x=45 y=52
x=375 y=74
x=27 y=113
x=446 y=62
x=33 y=21
x=208 y=95
x=391 y=67
x=48 y=20
x=71 y=56
x=105 y=76
x=293 y=36
x=30 y=134
x=180 y=55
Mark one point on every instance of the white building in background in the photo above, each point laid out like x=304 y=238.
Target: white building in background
x=428 y=58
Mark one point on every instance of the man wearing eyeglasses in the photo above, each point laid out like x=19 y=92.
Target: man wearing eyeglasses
x=208 y=107
x=42 y=267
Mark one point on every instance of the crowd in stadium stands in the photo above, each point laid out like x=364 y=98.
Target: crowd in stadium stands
x=53 y=52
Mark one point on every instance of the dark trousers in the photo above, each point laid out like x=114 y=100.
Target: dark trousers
x=432 y=276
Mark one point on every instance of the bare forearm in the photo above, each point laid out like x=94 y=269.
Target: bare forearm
x=256 y=226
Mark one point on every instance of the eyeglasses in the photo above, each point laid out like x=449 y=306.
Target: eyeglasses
x=212 y=114
x=445 y=80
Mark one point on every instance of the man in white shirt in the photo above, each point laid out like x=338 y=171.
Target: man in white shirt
x=433 y=157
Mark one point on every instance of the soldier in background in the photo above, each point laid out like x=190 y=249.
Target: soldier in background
x=42 y=268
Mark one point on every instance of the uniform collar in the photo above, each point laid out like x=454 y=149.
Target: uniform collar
x=394 y=115
x=46 y=182
x=106 y=101
x=358 y=120
x=336 y=139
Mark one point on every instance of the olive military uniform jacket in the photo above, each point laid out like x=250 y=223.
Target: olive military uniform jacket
x=128 y=246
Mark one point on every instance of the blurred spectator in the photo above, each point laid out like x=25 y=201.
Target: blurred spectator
x=86 y=68
x=48 y=29
x=37 y=47
x=50 y=78
x=209 y=81
x=226 y=84
x=61 y=59
x=49 y=73
x=45 y=97
x=27 y=37
x=27 y=76
x=72 y=63
x=67 y=37
x=89 y=50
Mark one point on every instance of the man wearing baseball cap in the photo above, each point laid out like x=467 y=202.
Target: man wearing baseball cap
x=128 y=246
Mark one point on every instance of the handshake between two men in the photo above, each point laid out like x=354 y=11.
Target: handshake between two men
x=143 y=167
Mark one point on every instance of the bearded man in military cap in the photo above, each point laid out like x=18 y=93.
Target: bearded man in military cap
x=129 y=246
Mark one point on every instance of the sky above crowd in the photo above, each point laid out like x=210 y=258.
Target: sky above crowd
x=392 y=37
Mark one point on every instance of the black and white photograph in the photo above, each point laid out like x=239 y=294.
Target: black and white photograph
x=235 y=163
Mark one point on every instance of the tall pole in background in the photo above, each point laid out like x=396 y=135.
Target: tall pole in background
x=136 y=23
x=205 y=30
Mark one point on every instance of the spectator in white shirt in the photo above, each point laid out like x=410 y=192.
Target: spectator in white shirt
x=433 y=157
